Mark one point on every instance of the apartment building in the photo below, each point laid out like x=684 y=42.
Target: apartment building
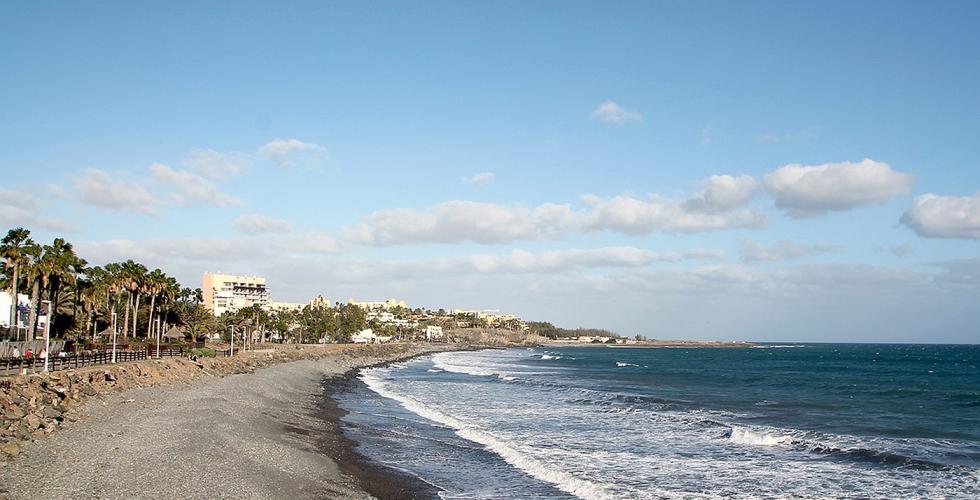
x=229 y=293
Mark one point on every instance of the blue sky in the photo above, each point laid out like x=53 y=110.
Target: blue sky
x=338 y=149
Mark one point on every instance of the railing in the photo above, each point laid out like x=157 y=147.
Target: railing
x=11 y=366
x=34 y=364
x=166 y=351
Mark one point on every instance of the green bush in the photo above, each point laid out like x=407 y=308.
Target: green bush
x=203 y=352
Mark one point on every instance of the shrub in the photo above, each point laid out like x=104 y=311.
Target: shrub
x=203 y=352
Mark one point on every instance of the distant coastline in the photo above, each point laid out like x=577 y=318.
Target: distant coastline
x=651 y=344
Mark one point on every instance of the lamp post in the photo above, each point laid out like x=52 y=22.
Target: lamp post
x=231 y=340
x=113 y=336
x=158 y=338
x=47 y=335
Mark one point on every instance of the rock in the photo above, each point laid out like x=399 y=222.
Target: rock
x=51 y=412
x=11 y=449
x=22 y=432
x=32 y=421
x=14 y=413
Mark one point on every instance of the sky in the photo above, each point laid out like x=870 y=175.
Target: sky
x=768 y=171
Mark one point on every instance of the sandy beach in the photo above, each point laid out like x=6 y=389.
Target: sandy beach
x=268 y=434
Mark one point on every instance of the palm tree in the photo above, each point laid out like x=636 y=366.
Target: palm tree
x=155 y=282
x=61 y=266
x=133 y=277
x=37 y=276
x=13 y=249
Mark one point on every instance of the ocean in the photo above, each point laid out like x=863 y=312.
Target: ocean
x=771 y=421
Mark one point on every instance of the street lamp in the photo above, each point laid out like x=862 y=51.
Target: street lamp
x=158 y=338
x=113 y=336
x=47 y=335
x=231 y=340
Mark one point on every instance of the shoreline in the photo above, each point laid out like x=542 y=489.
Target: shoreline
x=273 y=433
x=379 y=480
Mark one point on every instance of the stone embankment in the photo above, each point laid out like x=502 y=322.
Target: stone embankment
x=33 y=406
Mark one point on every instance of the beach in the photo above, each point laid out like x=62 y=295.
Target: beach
x=268 y=434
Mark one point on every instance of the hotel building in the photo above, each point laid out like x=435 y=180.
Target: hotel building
x=229 y=293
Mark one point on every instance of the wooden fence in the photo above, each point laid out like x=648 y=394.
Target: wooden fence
x=35 y=364
x=13 y=366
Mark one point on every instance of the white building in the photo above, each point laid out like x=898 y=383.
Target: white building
x=433 y=333
x=23 y=309
x=367 y=336
x=387 y=305
x=230 y=293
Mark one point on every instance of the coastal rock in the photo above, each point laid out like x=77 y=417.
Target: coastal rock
x=10 y=449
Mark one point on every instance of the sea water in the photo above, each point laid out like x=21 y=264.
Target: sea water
x=791 y=420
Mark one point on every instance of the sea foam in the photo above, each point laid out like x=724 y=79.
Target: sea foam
x=742 y=435
x=565 y=481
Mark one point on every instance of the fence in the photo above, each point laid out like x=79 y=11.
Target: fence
x=11 y=366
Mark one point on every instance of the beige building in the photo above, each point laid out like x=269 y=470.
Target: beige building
x=229 y=293
x=387 y=305
x=283 y=306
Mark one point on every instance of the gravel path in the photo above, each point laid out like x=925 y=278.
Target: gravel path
x=241 y=436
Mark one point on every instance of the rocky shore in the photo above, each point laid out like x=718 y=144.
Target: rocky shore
x=253 y=426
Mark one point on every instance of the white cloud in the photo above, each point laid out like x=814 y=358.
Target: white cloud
x=491 y=223
x=286 y=152
x=783 y=250
x=806 y=191
x=256 y=223
x=935 y=216
x=23 y=209
x=723 y=192
x=191 y=188
x=99 y=188
x=215 y=165
x=458 y=221
x=480 y=179
x=315 y=242
x=610 y=112
x=556 y=261
x=632 y=215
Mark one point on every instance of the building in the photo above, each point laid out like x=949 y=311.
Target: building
x=433 y=332
x=229 y=293
x=283 y=306
x=320 y=301
x=23 y=310
x=387 y=305
x=492 y=318
x=368 y=336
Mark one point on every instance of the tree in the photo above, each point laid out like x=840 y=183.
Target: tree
x=14 y=250
x=350 y=320
x=156 y=281
x=61 y=265
x=317 y=323
x=195 y=318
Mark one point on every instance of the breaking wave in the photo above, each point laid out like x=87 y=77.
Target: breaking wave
x=510 y=452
